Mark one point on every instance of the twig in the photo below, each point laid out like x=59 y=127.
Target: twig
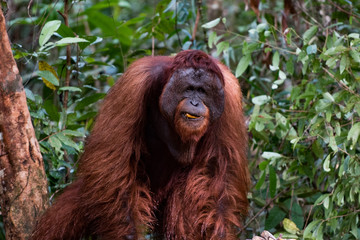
x=340 y=83
x=28 y=8
x=308 y=217
x=262 y=209
x=291 y=202
x=343 y=10
x=344 y=215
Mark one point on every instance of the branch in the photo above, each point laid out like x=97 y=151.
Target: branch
x=65 y=15
x=195 y=26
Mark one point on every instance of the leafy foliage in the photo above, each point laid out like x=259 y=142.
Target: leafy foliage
x=298 y=67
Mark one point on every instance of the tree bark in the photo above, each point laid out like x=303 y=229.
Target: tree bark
x=23 y=188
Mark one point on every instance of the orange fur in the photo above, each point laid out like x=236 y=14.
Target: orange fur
x=110 y=198
x=195 y=131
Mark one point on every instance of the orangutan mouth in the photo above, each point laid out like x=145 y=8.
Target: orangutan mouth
x=191 y=116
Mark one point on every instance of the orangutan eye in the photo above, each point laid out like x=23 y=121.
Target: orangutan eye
x=190 y=89
x=201 y=90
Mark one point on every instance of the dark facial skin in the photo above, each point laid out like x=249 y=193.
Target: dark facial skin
x=199 y=97
x=198 y=89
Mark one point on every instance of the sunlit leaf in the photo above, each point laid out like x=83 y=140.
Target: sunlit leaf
x=212 y=23
x=290 y=226
x=271 y=155
x=276 y=60
x=260 y=100
x=48 y=30
x=69 y=40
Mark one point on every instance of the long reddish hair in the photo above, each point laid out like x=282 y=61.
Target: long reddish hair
x=108 y=199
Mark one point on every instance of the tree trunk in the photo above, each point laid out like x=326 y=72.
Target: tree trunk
x=23 y=188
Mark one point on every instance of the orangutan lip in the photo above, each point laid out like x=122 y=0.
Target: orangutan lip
x=190 y=116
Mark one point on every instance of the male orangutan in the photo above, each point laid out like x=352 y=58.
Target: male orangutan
x=167 y=156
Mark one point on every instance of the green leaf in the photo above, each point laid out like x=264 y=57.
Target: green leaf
x=319 y=232
x=310 y=227
x=279 y=82
x=355 y=55
x=297 y=213
x=276 y=215
x=49 y=76
x=272 y=181
x=331 y=62
x=186 y=45
x=320 y=199
x=263 y=165
x=260 y=181
x=90 y=41
x=354 y=134
x=51 y=110
x=212 y=39
x=332 y=143
x=73 y=133
x=250 y=48
x=317 y=149
x=64 y=31
x=222 y=46
x=29 y=94
x=290 y=66
x=48 y=30
x=282 y=75
x=329 y=97
x=67 y=141
x=261 y=27
x=87 y=116
x=55 y=143
x=70 y=89
x=344 y=63
x=89 y=100
x=69 y=40
x=355 y=229
x=326 y=202
x=290 y=226
x=212 y=23
x=309 y=34
x=124 y=4
x=276 y=60
x=335 y=50
x=354 y=35
x=112 y=28
x=243 y=64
